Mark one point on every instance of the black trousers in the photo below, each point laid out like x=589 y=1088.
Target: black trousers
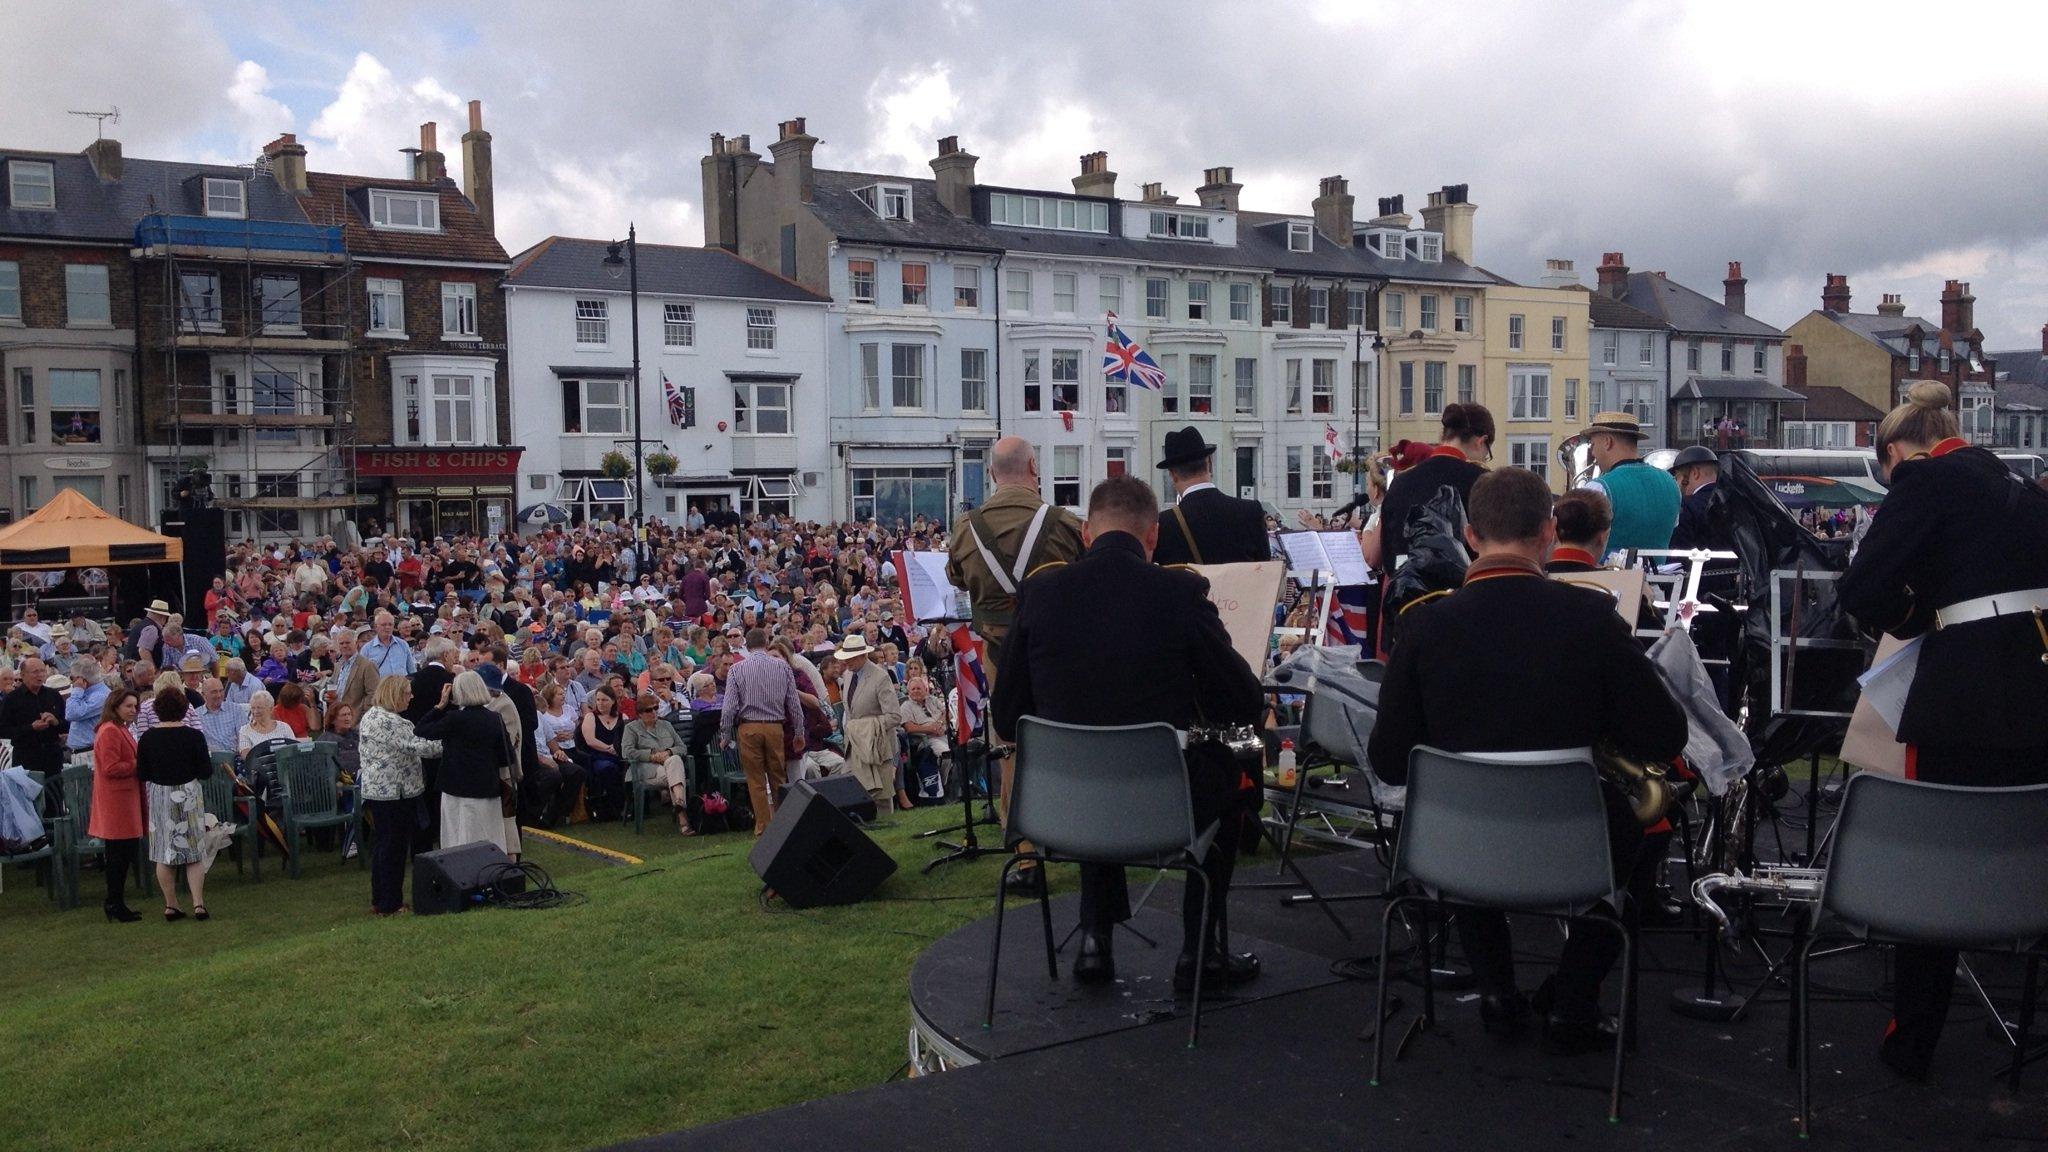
x=1589 y=953
x=1212 y=786
x=551 y=792
x=392 y=824
x=1924 y=978
x=120 y=857
x=425 y=839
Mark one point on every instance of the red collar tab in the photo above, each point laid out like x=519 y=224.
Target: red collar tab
x=1447 y=450
x=1947 y=446
x=1494 y=567
x=1573 y=556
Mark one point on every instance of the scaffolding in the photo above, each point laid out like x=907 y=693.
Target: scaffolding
x=258 y=372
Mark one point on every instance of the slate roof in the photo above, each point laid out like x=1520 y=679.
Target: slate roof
x=89 y=208
x=1828 y=403
x=665 y=270
x=1689 y=312
x=2022 y=377
x=930 y=226
x=1733 y=388
x=1892 y=332
x=333 y=198
x=1607 y=312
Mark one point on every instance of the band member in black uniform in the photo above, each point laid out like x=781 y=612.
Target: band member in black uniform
x=1115 y=639
x=1205 y=526
x=1957 y=554
x=1583 y=517
x=1515 y=662
x=1458 y=460
x=1703 y=524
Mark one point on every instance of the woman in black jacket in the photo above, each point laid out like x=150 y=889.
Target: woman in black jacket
x=475 y=763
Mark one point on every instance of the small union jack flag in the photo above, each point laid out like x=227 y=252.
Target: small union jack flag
x=674 y=396
x=1349 y=623
x=1124 y=360
x=970 y=677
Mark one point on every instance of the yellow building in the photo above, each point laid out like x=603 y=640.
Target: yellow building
x=1432 y=313
x=1534 y=374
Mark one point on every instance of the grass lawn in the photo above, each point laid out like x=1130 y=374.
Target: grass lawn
x=296 y=1020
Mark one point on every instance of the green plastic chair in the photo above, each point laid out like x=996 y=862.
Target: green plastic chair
x=310 y=778
x=51 y=859
x=640 y=788
x=218 y=793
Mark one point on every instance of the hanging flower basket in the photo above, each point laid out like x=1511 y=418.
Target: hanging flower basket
x=616 y=465
x=662 y=463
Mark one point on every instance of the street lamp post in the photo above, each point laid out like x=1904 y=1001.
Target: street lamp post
x=630 y=266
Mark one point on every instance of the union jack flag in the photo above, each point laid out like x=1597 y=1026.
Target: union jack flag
x=674 y=396
x=1348 y=622
x=1336 y=450
x=1123 y=359
x=970 y=676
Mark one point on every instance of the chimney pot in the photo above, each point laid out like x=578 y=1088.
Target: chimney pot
x=948 y=145
x=477 y=183
x=1449 y=213
x=792 y=151
x=1613 y=274
x=286 y=158
x=953 y=171
x=1834 y=293
x=1095 y=179
x=1218 y=190
x=1735 y=289
x=427 y=133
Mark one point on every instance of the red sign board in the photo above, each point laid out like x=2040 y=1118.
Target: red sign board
x=466 y=463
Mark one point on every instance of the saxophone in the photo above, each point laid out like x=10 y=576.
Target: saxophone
x=1646 y=785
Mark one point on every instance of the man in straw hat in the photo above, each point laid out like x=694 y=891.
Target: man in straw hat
x=872 y=719
x=1645 y=499
x=146 y=635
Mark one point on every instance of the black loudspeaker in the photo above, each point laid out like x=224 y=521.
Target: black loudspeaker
x=204 y=533
x=456 y=879
x=812 y=854
x=842 y=792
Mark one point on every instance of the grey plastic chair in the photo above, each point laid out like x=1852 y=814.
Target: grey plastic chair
x=1910 y=866
x=1113 y=795
x=1522 y=832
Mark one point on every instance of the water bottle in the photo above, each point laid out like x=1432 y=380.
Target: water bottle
x=1286 y=764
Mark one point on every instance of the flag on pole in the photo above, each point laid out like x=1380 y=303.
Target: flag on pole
x=1125 y=361
x=674 y=396
x=1330 y=442
x=970 y=676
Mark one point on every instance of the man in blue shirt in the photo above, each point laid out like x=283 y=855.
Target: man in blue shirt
x=82 y=706
x=392 y=656
x=1645 y=499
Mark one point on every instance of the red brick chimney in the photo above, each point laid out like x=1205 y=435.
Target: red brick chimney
x=428 y=164
x=1795 y=368
x=1834 y=294
x=1735 y=289
x=1958 y=307
x=1613 y=275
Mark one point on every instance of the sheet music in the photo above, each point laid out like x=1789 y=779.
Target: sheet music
x=1346 y=560
x=929 y=595
x=1304 y=552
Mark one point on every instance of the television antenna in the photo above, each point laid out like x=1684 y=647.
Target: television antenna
x=100 y=118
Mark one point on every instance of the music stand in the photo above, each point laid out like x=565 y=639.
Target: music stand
x=970 y=756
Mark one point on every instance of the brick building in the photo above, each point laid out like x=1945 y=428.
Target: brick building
x=1877 y=356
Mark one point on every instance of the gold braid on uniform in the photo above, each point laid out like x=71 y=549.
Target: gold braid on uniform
x=1043 y=567
x=1423 y=599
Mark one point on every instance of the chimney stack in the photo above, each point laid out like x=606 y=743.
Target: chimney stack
x=1613 y=275
x=429 y=166
x=725 y=170
x=286 y=158
x=2044 y=339
x=476 y=168
x=792 y=151
x=1560 y=274
x=1218 y=190
x=1834 y=293
x=1095 y=179
x=1735 y=289
x=1333 y=210
x=1892 y=305
x=954 y=171
x=105 y=155
x=1392 y=213
x=1156 y=193
x=1795 y=367
x=1450 y=212
x=1958 y=308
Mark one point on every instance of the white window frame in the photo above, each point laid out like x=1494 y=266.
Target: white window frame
x=1063 y=373
x=871 y=377
x=77 y=292
x=1531 y=454
x=202 y=314
x=1201 y=384
x=860 y=282
x=1300 y=236
x=1292 y=391
x=1293 y=488
x=1394 y=306
x=678 y=324
x=1163 y=225
x=967 y=287
x=1109 y=292
x=1322 y=387
x=1033 y=378
x=1461 y=313
x=426 y=218
x=1571 y=398
x=1066 y=290
x=974 y=381
x=760 y=329
x=1322 y=476
x=232 y=197
x=1280 y=298
x=906 y=377
x=922 y=292
x=622 y=405
x=10 y=290
x=1692 y=354
x=1468 y=383
x=38 y=178
x=1198 y=300
x=1761 y=359
x=1354 y=307
x=1517 y=331
x=386 y=306
x=1245 y=386
x=749 y=407
x=1557 y=333
x=1727 y=356
x=1434 y=387
x=893 y=202
x=1432 y=248
x=593 y=322
x=1528 y=392
x=1646 y=350
x=1241 y=303
x=1156 y=305
x=1066 y=471
x=458 y=303
x=444 y=397
x=1427 y=315
x=1017 y=290
x=1318 y=307
x=1610 y=349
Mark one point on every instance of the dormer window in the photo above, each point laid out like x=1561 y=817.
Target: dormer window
x=31 y=184
x=1392 y=246
x=1913 y=357
x=889 y=201
x=1300 y=236
x=405 y=211
x=1020 y=211
x=1430 y=247
x=1178 y=226
x=226 y=198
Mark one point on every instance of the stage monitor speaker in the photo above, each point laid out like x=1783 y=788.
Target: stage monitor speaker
x=456 y=879
x=842 y=792
x=812 y=854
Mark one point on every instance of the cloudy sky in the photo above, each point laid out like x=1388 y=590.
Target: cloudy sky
x=1800 y=138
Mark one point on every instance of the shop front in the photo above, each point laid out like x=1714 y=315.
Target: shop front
x=439 y=491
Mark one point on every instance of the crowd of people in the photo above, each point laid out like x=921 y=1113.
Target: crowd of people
x=471 y=685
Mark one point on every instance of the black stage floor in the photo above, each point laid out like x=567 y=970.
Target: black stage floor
x=1285 y=1063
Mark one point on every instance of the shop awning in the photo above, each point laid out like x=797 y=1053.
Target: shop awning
x=1797 y=492
x=72 y=532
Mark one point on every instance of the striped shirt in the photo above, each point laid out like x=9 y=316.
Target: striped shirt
x=760 y=690
x=224 y=726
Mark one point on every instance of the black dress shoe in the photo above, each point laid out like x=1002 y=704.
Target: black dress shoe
x=1506 y=1016
x=121 y=913
x=1577 y=1035
x=1221 y=970
x=1095 y=963
x=1025 y=881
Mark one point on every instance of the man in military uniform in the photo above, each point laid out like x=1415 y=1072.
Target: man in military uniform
x=994 y=549
x=1114 y=639
x=1205 y=526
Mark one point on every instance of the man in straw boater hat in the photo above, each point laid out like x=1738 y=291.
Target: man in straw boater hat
x=1645 y=499
x=146 y=635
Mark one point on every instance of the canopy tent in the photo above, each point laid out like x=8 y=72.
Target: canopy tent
x=72 y=532
x=1798 y=492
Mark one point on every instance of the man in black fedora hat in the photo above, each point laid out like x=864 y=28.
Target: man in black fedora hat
x=1205 y=526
